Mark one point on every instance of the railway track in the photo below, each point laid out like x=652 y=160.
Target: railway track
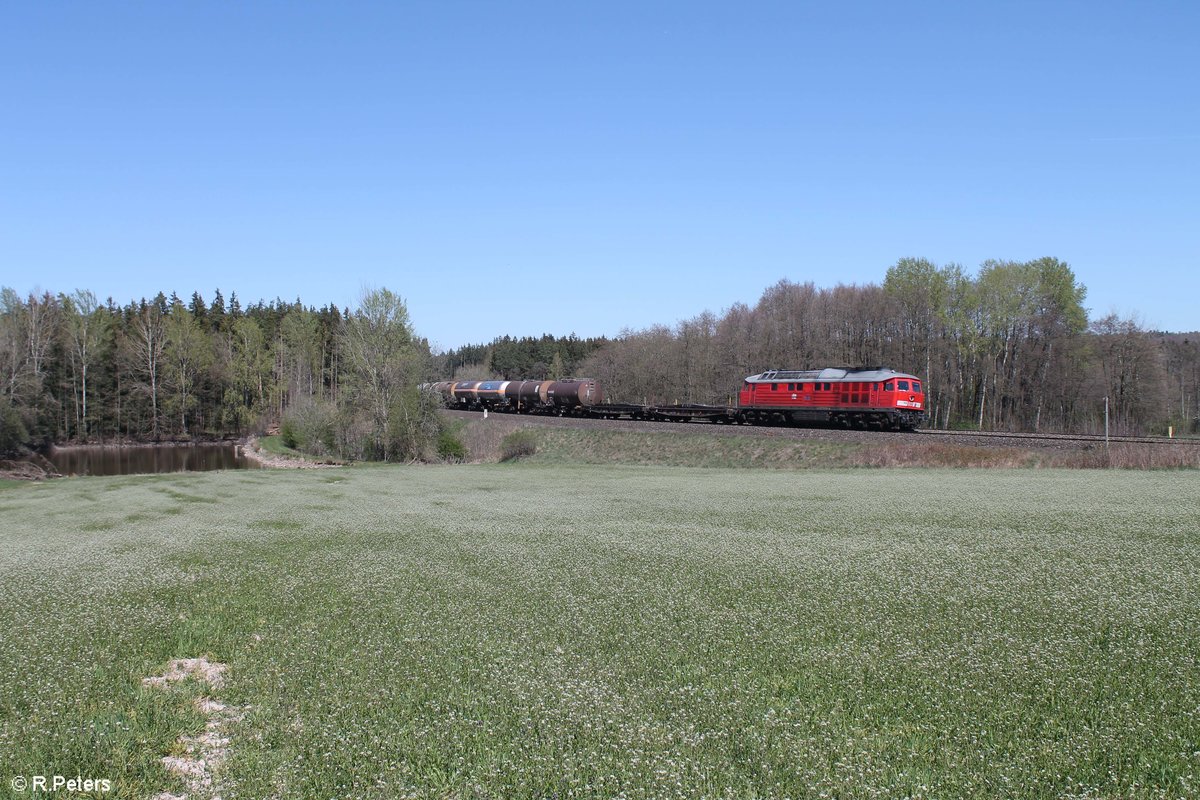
x=1062 y=437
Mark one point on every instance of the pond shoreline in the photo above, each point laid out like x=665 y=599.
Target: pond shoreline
x=130 y=458
x=253 y=450
x=38 y=465
x=128 y=442
x=35 y=467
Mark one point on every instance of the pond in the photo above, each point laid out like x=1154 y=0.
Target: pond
x=144 y=459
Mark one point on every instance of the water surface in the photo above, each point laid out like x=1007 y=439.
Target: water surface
x=144 y=459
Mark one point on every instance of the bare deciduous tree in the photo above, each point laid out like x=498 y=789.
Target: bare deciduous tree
x=145 y=345
x=86 y=324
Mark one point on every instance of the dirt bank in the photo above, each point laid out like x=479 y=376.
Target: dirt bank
x=34 y=467
x=253 y=450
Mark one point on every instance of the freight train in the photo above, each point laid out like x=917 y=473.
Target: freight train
x=871 y=398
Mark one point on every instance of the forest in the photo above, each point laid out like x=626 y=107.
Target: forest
x=1010 y=347
x=76 y=370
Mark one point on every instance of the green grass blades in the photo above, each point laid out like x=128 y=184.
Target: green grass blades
x=555 y=630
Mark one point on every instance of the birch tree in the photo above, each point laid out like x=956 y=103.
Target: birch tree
x=146 y=342
x=187 y=351
x=388 y=417
x=86 y=325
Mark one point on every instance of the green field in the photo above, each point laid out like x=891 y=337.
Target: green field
x=546 y=630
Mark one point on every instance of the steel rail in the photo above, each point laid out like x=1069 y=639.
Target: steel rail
x=1066 y=437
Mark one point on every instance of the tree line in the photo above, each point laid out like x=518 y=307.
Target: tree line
x=75 y=369
x=1010 y=347
x=546 y=357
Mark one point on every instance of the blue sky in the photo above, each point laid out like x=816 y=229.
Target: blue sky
x=555 y=167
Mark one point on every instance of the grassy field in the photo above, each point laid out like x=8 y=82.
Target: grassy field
x=548 y=630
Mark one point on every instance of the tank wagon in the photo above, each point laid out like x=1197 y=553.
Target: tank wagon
x=567 y=396
x=877 y=398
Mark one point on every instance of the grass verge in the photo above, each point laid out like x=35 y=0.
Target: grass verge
x=706 y=447
x=275 y=446
x=273 y=452
x=562 y=446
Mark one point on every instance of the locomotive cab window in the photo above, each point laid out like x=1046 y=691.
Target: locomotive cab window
x=774 y=387
x=903 y=385
x=889 y=387
x=916 y=386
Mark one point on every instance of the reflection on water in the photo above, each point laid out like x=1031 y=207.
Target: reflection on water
x=142 y=459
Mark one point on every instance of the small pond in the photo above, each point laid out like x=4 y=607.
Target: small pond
x=144 y=459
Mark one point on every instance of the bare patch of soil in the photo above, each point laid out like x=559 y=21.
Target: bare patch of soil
x=205 y=752
x=202 y=669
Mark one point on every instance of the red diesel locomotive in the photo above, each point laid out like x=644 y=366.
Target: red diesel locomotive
x=854 y=398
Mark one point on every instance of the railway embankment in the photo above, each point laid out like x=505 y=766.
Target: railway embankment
x=594 y=441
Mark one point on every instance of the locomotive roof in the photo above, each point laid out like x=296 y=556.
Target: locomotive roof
x=871 y=375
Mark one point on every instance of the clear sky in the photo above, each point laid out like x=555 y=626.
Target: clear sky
x=530 y=167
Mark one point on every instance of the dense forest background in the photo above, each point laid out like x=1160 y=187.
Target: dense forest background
x=1010 y=347
x=341 y=382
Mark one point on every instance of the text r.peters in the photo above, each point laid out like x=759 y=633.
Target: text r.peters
x=59 y=783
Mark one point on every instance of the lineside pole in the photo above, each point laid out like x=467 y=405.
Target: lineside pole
x=1106 y=424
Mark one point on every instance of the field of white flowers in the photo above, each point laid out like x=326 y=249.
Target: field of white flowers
x=521 y=631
